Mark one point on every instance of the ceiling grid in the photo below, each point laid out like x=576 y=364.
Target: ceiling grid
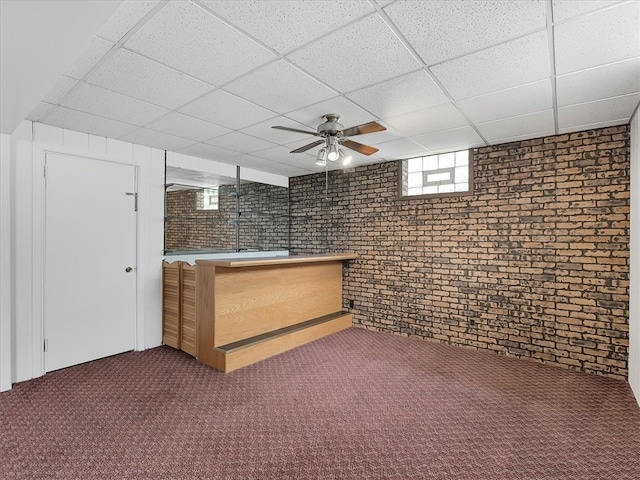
x=210 y=78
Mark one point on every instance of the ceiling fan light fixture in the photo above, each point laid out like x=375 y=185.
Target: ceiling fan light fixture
x=344 y=158
x=332 y=152
x=333 y=135
x=320 y=159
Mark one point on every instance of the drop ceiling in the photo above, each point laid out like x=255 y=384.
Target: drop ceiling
x=210 y=78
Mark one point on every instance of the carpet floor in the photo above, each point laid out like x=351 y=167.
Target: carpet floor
x=355 y=405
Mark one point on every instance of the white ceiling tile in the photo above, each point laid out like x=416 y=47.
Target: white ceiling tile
x=151 y=138
x=280 y=87
x=443 y=30
x=105 y=103
x=226 y=109
x=288 y=170
x=527 y=136
x=250 y=161
x=442 y=117
x=450 y=140
x=350 y=114
x=40 y=111
x=589 y=126
x=402 y=148
x=372 y=53
x=281 y=137
x=204 y=150
x=599 y=111
x=128 y=14
x=87 y=123
x=133 y=75
x=299 y=160
x=186 y=37
x=275 y=154
x=241 y=142
x=597 y=83
x=89 y=58
x=506 y=65
x=407 y=93
x=598 y=39
x=528 y=98
x=297 y=22
x=187 y=127
x=60 y=89
x=564 y=9
x=522 y=125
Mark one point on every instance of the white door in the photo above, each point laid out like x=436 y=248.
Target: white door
x=90 y=259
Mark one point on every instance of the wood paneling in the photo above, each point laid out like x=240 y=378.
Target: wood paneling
x=171 y=294
x=255 y=352
x=255 y=300
x=231 y=314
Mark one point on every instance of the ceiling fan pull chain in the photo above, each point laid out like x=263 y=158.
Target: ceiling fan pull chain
x=326 y=183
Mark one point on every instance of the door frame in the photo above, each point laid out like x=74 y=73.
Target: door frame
x=38 y=251
x=6 y=288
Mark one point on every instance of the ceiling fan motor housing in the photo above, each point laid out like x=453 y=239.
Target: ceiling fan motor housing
x=331 y=127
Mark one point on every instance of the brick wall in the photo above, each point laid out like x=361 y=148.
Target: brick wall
x=537 y=257
x=264 y=221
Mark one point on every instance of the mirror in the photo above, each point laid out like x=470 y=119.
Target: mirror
x=203 y=214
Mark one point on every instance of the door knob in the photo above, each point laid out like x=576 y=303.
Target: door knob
x=128 y=269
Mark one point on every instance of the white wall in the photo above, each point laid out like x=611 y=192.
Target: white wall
x=39 y=40
x=634 y=283
x=29 y=143
x=5 y=263
x=22 y=336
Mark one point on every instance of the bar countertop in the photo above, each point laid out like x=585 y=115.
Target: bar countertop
x=259 y=262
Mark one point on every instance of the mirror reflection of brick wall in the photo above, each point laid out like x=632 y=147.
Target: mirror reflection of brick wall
x=264 y=220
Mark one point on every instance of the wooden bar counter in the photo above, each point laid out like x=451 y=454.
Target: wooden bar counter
x=248 y=309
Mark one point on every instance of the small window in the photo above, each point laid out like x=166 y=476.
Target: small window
x=207 y=199
x=437 y=175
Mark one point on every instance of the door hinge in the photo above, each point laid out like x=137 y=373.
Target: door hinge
x=46 y=345
x=135 y=200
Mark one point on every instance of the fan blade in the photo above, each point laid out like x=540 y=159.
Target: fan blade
x=307 y=147
x=362 y=129
x=358 y=147
x=296 y=130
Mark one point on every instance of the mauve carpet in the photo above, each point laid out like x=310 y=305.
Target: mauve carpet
x=355 y=405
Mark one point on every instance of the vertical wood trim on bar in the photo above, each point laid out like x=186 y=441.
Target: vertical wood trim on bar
x=188 y=330
x=171 y=303
x=205 y=313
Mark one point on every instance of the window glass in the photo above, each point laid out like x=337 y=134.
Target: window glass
x=437 y=174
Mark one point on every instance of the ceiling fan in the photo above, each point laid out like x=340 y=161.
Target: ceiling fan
x=335 y=135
